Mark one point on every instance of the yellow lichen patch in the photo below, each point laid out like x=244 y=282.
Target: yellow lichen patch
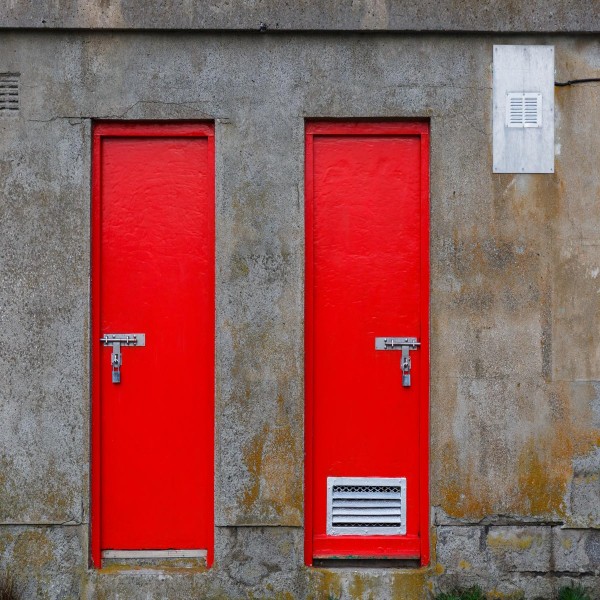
x=536 y=472
x=32 y=550
x=545 y=466
x=5 y=541
x=253 y=457
x=566 y=543
x=512 y=541
x=325 y=584
x=239 y=267
x=275 y=486
x=459 y=494
x=439 y=569
x=357 y=587
x=365 y=586
x=587 y=479
x=271 y=594
x=115 y=568
x=282 y=487
x=542 y=483
x=464 y=564
x=411 y=585
x=496 y=595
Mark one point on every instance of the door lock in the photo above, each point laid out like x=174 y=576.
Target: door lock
x=405 y=344
x=116 y=340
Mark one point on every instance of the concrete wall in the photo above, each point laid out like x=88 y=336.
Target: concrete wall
x=310 y=15
x=515 y=303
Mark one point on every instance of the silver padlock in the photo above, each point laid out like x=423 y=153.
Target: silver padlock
x=405 y=367
x=116 y=360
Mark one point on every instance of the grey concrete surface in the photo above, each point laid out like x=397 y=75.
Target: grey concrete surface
x=46 y=562
x=515 y=346
x=346 y=15
x=576 y=550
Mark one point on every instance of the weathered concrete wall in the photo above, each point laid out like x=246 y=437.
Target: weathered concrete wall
x=307 y=15
x=515 y=303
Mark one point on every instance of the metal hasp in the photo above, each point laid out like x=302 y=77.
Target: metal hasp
x=406 y=344
x=116 y=340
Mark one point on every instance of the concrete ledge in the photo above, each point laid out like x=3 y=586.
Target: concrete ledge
x=347 y=15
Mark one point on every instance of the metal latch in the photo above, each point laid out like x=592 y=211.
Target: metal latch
x=399 y=343
x=116 y=340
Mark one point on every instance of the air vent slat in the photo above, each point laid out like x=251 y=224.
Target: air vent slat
x=364 y=503
x=368 y=495
x=358 y=518
x=339 y=512
x=366 y=506
x=524 y=109
x=9 y=94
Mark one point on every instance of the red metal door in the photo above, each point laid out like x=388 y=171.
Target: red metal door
x=153 y=273
x=367 y=272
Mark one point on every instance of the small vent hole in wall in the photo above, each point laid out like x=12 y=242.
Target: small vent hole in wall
x=523 y=109
x=9 y=94
x=366 y=506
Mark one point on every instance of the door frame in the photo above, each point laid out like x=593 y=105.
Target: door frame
x=382 y=128
x=100 y=131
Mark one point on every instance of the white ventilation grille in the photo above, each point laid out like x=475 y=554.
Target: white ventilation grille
x=9 y=94
x=366 y=506
x=523 y=109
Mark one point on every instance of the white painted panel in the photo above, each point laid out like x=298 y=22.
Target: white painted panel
x=366 y=506
x=141 y=554
x=525 y=70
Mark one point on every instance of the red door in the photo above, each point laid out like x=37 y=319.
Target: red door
x=153 y=289
x=367 y=281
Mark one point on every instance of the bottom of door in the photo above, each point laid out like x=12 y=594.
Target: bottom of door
x=346 y=546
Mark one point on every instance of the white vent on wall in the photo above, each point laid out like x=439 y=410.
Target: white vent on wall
x=523 y=109
x=366 y=506
x=9 y=94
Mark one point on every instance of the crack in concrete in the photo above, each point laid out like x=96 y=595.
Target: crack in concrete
x=77 y=119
